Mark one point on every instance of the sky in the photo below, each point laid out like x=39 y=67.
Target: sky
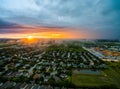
x=90 y=19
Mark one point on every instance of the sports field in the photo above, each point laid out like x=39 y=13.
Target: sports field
x=108 y=78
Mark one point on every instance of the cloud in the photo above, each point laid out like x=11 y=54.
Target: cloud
x=97 y=16
x=10 y=28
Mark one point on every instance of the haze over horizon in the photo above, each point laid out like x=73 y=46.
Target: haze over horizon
x=96 y=19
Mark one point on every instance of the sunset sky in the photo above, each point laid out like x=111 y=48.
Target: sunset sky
x=90 y=19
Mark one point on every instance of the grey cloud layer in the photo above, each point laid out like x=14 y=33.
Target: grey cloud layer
x=96 y=15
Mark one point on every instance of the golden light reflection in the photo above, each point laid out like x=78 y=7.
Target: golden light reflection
x=47 y=35
x=56 y=33
x=30 y=37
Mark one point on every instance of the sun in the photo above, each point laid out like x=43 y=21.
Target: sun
x=30 y=37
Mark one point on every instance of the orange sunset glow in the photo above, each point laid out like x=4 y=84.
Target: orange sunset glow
x=46 y=35
x=31 y=32
x=30 y=37
x=48 y=32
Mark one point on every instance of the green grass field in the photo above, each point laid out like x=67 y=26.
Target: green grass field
x=90 y=80
x=4 y=45
x=109 y=77
x=113 y=72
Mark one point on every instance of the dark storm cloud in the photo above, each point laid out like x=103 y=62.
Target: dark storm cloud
x=101 y=17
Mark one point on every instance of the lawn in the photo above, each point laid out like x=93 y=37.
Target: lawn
x=2 y=45
x=82 y=80
x=109 y=77
x=113 y=72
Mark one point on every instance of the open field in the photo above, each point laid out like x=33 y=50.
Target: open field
x=109 y=78
x=90 y=80
x=5 y=45
x=113 y=72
